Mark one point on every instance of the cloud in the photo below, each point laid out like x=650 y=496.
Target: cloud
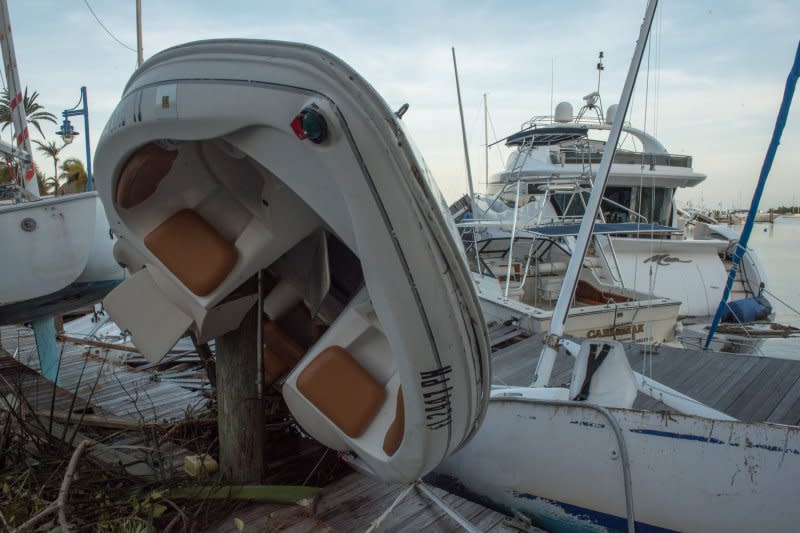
x=716 y=74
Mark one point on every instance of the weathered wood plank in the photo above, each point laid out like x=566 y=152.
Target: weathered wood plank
x=783 y=412
x=241 y=411
x=764 y=393
x=740 y=385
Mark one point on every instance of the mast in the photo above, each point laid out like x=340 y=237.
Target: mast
x=464 y=137
x=16 y=103
x=474 y=209
x=741 y=246
x=486 y=141
x=545 y=365
x=139 y=50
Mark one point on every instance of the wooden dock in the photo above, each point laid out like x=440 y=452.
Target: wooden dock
x=354 y=502
x=748 y=387
x=108 y=387
x=118 y=388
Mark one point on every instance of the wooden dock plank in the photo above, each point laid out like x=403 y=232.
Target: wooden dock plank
x=764 y=393
x=119 y=389
x=715 y=389
x=740 y=385
x=354 y=502
x=783 y=413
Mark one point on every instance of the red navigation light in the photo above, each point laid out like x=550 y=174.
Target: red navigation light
x=297 y=127
x=310 y=124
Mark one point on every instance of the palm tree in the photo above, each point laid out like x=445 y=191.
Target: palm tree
x=51 y=150
x=33 y=110
x=8 y=170
x=73 y=171
x=46 y=184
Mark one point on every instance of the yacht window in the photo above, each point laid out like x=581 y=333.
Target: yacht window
x=656 y=204
x=569 y=204
x=617 y=197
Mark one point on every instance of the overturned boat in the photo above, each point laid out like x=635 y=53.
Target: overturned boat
x=227 y=158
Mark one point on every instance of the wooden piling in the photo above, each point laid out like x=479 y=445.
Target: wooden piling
x=240 y=412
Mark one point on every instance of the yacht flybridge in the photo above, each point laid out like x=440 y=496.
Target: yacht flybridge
x=229 y=157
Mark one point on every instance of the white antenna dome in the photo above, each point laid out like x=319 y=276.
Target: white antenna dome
x=611 y=112
x=563 y=112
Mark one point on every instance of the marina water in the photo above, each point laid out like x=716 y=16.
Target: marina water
x=777 y=246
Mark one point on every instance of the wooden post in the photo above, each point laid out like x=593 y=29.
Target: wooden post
x=240 y=413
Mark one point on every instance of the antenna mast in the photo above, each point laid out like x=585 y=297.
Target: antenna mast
x=600 y=68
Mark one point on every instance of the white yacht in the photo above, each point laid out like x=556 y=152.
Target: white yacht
x=641 y=243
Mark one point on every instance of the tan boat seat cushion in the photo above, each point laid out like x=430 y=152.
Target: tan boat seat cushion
x=193 y=251
x=142 y=173
x=394 y=436
x=342 y=390
x=281 y=352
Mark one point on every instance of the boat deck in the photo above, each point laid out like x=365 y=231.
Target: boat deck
x=748 y=387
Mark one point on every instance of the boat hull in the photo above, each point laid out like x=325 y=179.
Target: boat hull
x=57 y=256
x=686 y=473
x=404 y=323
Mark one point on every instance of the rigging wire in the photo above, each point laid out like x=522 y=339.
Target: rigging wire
x=105 y=28
x=494 y=134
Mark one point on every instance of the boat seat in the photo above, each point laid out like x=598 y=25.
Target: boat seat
x=142 y=173
x=394 y=436
x=336 y=384
x=281 y=352
x=193 y=251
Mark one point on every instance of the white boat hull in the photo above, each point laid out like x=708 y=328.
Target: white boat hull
x=684 y=269
x=401 y=316
x=57 y=256
x=686 y=473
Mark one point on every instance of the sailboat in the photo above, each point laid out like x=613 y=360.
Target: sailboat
x=610 y=448
x=57 y=252
x=227 y=158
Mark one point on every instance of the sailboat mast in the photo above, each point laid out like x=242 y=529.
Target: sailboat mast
x=464 y=137
x=16 y=102
x=486 y=141
x=545 y=365
x=139 y=49
x=741 y=246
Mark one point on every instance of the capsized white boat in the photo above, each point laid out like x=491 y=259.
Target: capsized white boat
x=228 y=157
x=57 y=256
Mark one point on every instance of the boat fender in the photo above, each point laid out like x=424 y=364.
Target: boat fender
x=747 y=310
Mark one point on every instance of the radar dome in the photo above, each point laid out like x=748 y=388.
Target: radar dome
x=611 y=112
x=563 y=112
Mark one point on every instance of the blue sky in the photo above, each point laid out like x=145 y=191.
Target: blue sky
x=716 y=74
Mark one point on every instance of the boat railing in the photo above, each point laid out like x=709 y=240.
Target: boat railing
x=581 y=157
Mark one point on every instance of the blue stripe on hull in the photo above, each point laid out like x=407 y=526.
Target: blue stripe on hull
x=575 y=518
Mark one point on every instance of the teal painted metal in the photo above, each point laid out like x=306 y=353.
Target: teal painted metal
x=44 y=331
x=741 y=246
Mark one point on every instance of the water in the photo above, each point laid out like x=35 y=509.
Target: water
x=778 y=246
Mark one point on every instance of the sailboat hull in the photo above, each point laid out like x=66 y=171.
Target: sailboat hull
x=687 y=473
x=57 y=256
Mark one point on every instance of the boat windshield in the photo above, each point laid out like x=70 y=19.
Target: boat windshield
x=621 y=204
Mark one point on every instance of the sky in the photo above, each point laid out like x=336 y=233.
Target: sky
x=710 y=84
